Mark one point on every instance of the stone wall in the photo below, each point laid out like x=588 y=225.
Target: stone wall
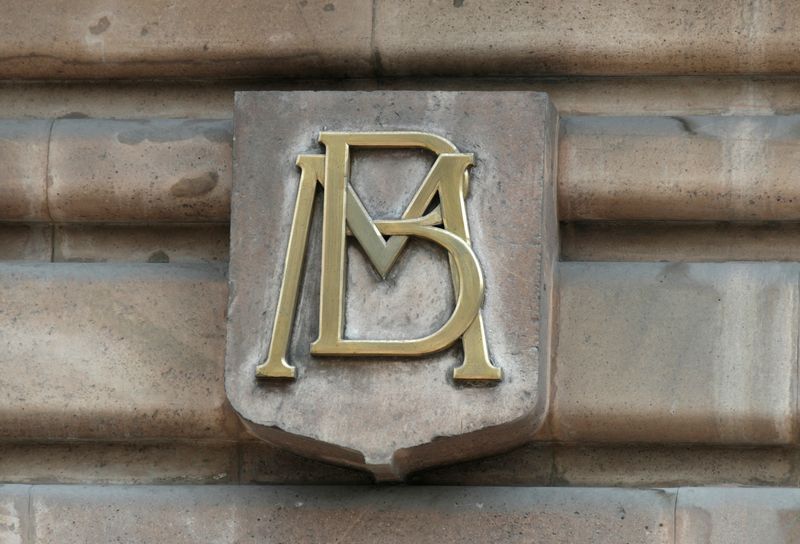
x=673 y=385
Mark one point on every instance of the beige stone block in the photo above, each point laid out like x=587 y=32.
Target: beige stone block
x=15 y=523
x=394 y=415
x=680 y=241
x=23 y=154
x=102 y=463
x=676 y=353
x=635 y=95
x=660 y=466
x=737 y=516
x=617 y=96
x=677 y=96
x=499 y=37
x=130 y=243
x=679 y=168
x=149 y=99
x=26 y=242
x=422 y=515
x=140 y=171
x=122 y=100
x=112 y=351
x=156 y=38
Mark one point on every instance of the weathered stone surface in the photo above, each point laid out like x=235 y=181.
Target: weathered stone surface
x=142 y=99
x=441 y=515
x=118 y=463
x=154 y=244
x=318 y=38
x=395 y=416
x=15 y=523
x=156 y=38
x=26 y=242
x=148 y=99
x=530 y=465
x=659 y=466
x=669 y=95
x=252 y=462
x=140 y=171
x=679 y=168
x=737 y=516
x=112 y=351
x=499 y=37
x=680 y=241
x=264 y=463
x=198 y=514
x=635 y=168
x=23 y=154
x=666 y=353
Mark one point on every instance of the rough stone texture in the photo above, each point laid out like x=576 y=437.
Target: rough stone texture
x=359 y=413
x=263 y=463
x=157 y=38
x=689 y=168
x=23 y=156
x=319 y=38
x=738 y=516
x=15 y=524
x=148 y=99
x=115 y=463
x=531 y=464
x=251 y=462
x=679 y=168
x=673 y=466
x=197 y=514
x=112 y=352
x=690 y=353
x=680 y=242
x=154 y=244
x=140 y=171
x=572 y=37
x=26 y=242
x=572 y=96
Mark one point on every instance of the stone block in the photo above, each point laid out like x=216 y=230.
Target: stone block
x=395 y=415
x=530 y=465
x=737 y=516
x=103 y=463
x=262 y=463
x=112 y=352
x=659 y=466
x=498 y=37
x=615 y=96
x=692 y=168
x=140 y=171
x=676 y=353
x=131 y=243
x=150 y=99
x=15 y=522
x=23 y=154
x=680 y=241
x=26 y=242
x=160 y=39
x=422 y=515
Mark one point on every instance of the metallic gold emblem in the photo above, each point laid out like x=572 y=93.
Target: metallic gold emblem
x=344 y=215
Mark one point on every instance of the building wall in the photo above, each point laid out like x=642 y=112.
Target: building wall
x=673 y=395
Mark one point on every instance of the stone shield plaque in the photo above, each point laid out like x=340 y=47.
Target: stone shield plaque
x=391 y=272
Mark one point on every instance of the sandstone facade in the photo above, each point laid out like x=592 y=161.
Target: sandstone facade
x=672 y=396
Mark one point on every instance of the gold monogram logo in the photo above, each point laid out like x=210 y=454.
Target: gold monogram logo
x=344 y=214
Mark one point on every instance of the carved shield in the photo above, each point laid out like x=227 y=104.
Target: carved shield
x=391 y=273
